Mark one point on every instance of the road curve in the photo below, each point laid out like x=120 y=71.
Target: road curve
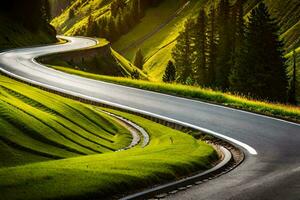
x=271 y=169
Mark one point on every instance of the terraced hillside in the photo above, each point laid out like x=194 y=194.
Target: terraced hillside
x=56 y=148
x=39 y=126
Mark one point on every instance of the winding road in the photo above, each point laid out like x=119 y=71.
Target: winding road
x=271 y=169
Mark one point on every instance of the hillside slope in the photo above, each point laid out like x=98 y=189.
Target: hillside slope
x=39 y=126
x=100 y=59
x=157 y=31
x=58 y=6
x=157 y=48
x=52 y=147
x=82 y=10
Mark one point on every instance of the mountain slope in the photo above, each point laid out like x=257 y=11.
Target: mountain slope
x=157 y=49
x=82 y=10
x=58 y=6
x=157 y=31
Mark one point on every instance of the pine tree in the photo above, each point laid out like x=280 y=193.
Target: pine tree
x=182 y=53
x=113 y=32
x=71 y=13
x=238 y=41
x=261 y=70
x=102 y=24
x=135 y=74
x=238 y=29
x=170 y=73
x=116 y=6
x=212 y=47
x=136 y=10
x=225 y=45
x=91 y=27
x=114 y=9
x=201 y=42
x=293 y=82
x=139 y=59
x=129 y=17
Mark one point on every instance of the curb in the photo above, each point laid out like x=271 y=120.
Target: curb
x=139 y=129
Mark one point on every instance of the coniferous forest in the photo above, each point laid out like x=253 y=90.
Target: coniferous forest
x=226 y=47
x=123 y=17
x=220 y=50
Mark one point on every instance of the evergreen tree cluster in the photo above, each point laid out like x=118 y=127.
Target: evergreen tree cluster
x=139 y=59
x=124 y=15
x=260 y=69
x=219 y=50
x=170 y=73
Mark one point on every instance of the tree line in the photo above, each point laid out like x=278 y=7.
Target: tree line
x=32 y=14
x=218 y=49
x=123 y=16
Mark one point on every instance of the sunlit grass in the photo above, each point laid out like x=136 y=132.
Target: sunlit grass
x=127 y=65
x=236 y=101
x=157 y=49
x=82 y=9
x=36 y=126
x=31 y=142
x=27 y=118
x=169 y=155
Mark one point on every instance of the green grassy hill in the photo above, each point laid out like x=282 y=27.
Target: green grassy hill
x=56 y=148
x=82 y=10
x=157 y=48
x=39 y=126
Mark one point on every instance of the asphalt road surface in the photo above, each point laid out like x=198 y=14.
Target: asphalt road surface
x=271 y=169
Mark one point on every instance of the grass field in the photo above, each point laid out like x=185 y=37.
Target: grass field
x=38 y=126
x=55 y=148
x=272 y=109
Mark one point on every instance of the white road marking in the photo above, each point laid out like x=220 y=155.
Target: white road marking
x=250 y=149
